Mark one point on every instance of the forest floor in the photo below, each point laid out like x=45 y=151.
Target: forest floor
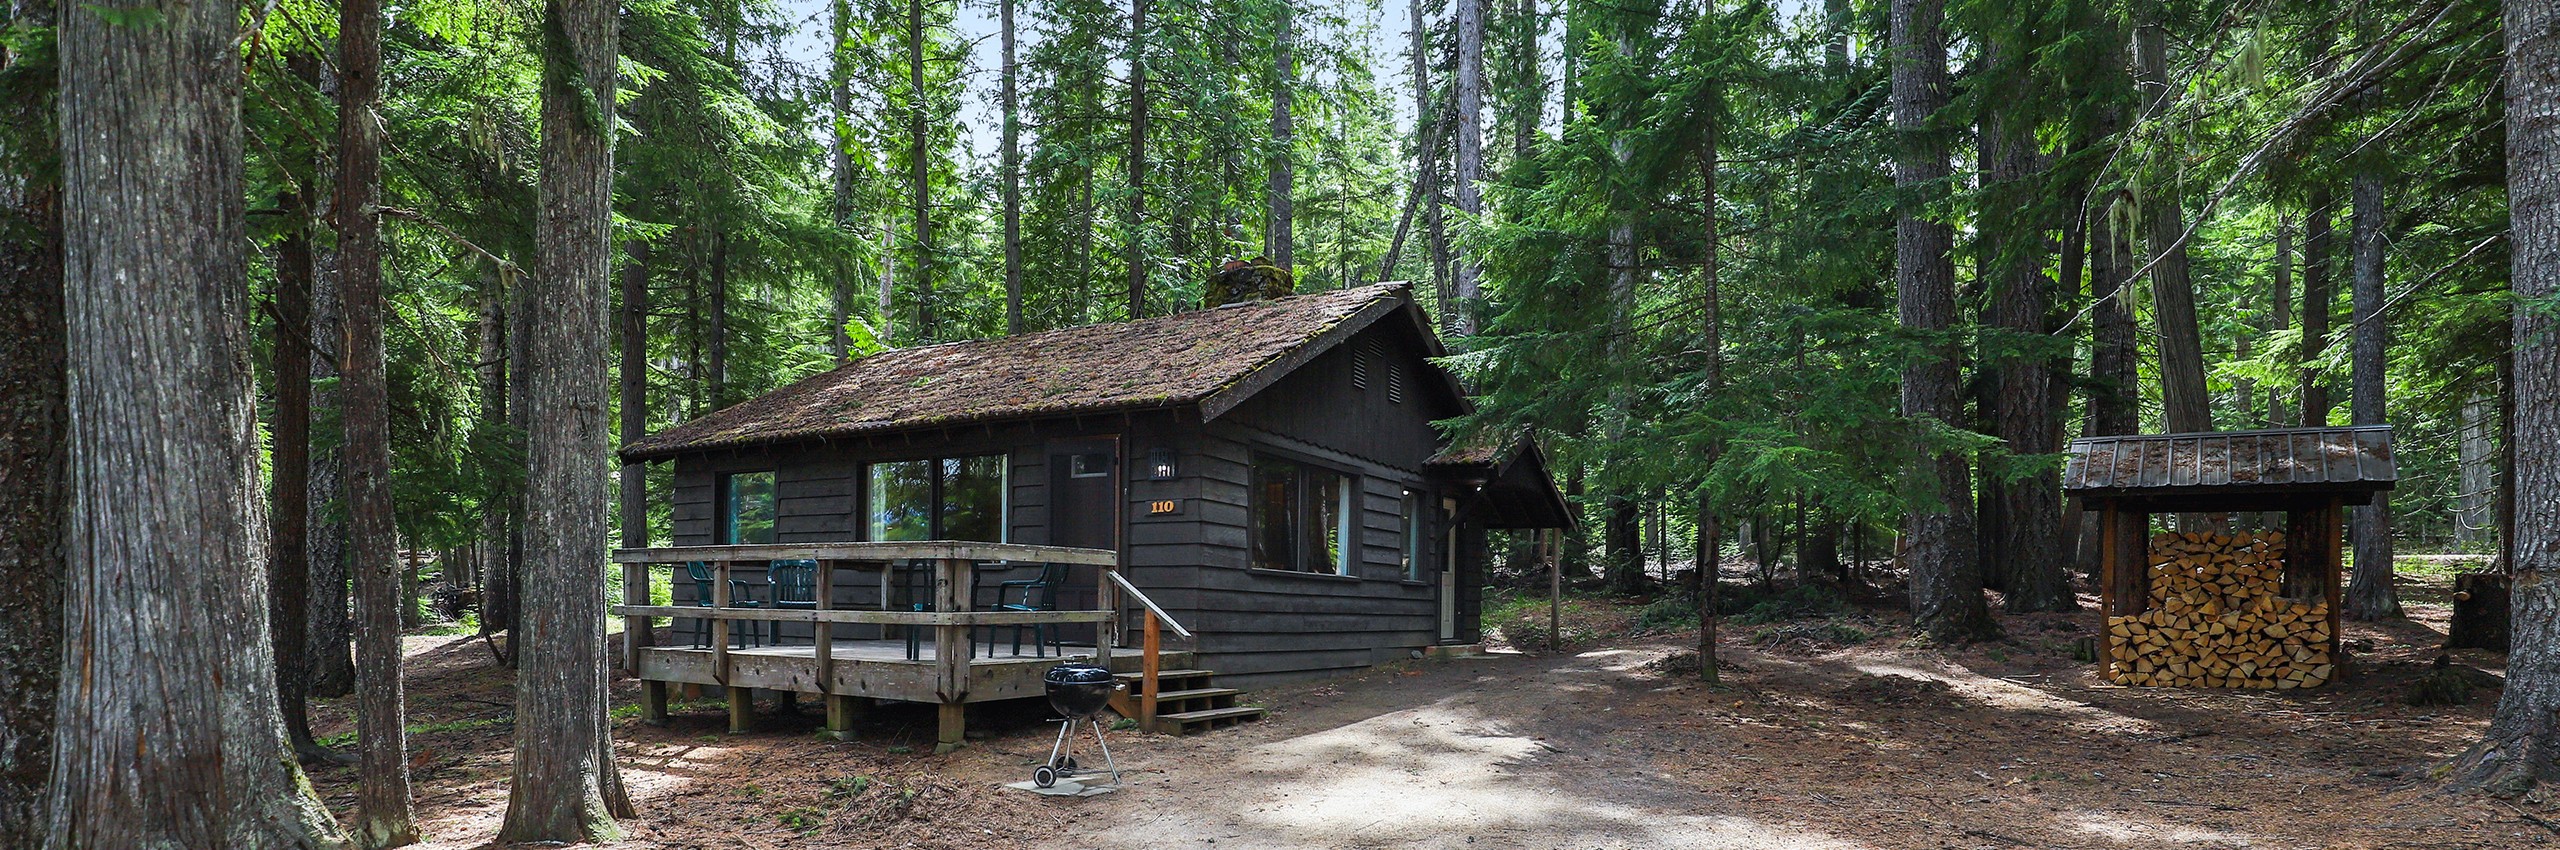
x=1832 y=732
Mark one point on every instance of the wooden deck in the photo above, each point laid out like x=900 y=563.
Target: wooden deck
x=876 y=669
x=846 y=672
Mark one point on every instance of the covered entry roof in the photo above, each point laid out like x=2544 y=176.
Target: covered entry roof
x=2353 y=461
x=1512 y=486
x=1214 y=358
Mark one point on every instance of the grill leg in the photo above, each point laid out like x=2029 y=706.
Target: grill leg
x=1107 y=762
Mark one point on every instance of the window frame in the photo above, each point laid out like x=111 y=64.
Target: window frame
x=1303 y=513
x=936 y=496
x=724 y=507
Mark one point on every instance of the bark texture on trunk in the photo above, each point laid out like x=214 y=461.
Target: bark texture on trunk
x=1946 y=578
x=2318 y=297
x=168 y=733
x=332 y=664
x=1012 y=165
x=497 y=552
x=2282 y=305
x=383 y=817
x=1280 y=238
x=2370 y=591
x=1469 y=164
x=919 y=174
x=2025 y=410
x=840 y=164
x=2522 y=746
x=566 y=787
x=2173 y=292
x=633 y=376
x=1137 y=159
x=32 y=428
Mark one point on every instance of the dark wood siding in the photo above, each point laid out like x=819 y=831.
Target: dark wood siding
x=1364 y=409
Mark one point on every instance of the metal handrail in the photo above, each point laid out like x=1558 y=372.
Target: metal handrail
x=1152 y=608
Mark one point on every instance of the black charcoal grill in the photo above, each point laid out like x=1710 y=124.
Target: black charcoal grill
x=1080 y=692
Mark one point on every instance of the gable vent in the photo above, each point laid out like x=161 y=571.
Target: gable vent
x=1360 y=366
x=1395 y=384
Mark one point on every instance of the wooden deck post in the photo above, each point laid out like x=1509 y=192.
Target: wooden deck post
x=635 y=630
x=720 y=625
x=842 y=713
x=1106 y=597
x=822 y=635
x=742 y=710
x=951 y=651
x=653 y=702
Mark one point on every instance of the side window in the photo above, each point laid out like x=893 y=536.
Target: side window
x=746 y=507
x=1302 y=518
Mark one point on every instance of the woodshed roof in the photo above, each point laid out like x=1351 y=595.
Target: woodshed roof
x=2356 y=459
x=1214 y=358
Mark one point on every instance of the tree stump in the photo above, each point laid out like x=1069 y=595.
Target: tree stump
x=2479 y=612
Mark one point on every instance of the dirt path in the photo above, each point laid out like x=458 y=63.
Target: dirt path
x=1879 y=744
x=1861 y=748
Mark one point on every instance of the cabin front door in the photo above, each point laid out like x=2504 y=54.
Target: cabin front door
x=1084 y=494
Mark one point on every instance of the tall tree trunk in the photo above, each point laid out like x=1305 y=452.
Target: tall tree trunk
x=497 y=562
x=717 y=386
x=1427 y=178
x=840 y=163
x=1012 y=154
x=2370 y=592
x=1280 y=238
x=289 y=522
x=32 y=427
x=2282 y=304
x=2173 y=291
x=1137 y=159
x=2522 y=746
x=2318 y=297
x=919 y=175
x=2025 y=412
x=1946 y=580
x=172 y=737
x=566 y=786
x=1710 y=371
x=1470 y=148
x=332 y=664
x=1530 y=78
x=634 y=375
x=1835 y=44
x=383 y=817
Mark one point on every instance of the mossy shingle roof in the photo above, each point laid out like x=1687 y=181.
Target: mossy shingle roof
x=1167 y=361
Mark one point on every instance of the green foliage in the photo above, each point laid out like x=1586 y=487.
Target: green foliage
x=1752 y=608
x=1669 y=613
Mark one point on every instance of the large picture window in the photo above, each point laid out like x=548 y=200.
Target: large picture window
x=952 y=498
x=1302 y=518
x=746 y=507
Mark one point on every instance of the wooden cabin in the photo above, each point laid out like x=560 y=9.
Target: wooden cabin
x=1266 y=472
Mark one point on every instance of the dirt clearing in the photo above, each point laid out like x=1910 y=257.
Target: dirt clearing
x=1876 y=744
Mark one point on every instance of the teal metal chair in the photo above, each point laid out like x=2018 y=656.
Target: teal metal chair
x=1033 y=594
x=741 y=595
x=792 y=584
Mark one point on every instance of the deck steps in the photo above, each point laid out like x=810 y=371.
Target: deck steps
x=1188 y=700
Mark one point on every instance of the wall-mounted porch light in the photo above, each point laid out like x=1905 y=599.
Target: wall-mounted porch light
x=1160 y=464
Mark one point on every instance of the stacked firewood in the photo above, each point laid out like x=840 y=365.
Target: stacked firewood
x=2217 y=620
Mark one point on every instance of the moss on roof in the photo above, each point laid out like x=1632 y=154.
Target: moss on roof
x=1152 y=363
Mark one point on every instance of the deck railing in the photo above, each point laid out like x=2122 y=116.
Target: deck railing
x=950 y=619
x=1151 y=642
